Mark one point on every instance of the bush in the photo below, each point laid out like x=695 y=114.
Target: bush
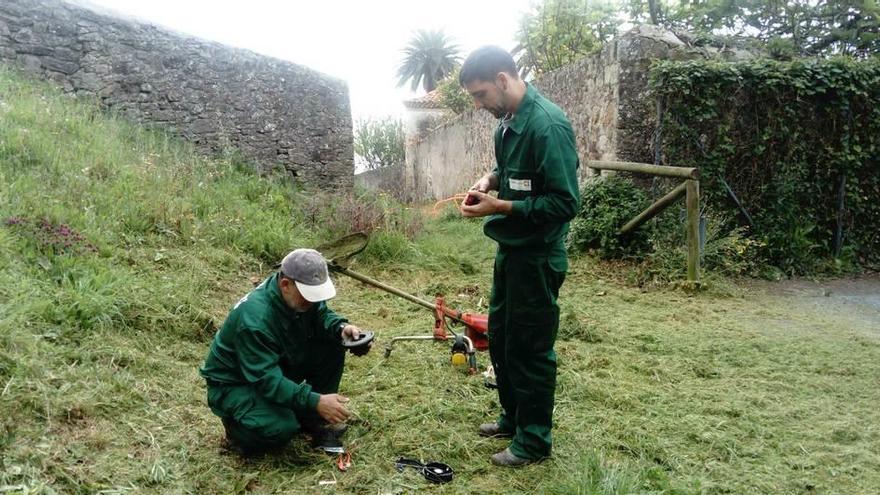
x=725 y=252
x=660 y=245
x=453 y=96
x=379 y=142
x=607 y=203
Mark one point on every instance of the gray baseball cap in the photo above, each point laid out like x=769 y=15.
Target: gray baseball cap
x=308 y=269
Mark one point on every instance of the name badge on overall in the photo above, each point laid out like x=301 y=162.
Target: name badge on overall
x=521 y=184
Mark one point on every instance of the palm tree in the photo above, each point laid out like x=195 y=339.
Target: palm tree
x=428 y=58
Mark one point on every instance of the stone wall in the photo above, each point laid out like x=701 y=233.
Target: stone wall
x=382 y=179
x=604 y=95
x=273 y=111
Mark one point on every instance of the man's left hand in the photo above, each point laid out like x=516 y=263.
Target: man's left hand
x=486 y=205
x=351 y=332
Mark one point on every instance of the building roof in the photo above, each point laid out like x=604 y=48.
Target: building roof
x=430 y=100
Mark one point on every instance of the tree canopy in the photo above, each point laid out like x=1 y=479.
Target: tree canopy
x=807 y=27
x=429 y=57
x=557 y=32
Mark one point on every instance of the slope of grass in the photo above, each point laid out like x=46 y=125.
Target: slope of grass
x=726 y=391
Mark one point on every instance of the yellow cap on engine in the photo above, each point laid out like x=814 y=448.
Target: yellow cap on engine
x=459 y=359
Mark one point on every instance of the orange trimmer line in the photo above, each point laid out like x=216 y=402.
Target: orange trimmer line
x=457 y=197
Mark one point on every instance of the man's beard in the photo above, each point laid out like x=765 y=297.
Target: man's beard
x=499 y=111
x=496 y=113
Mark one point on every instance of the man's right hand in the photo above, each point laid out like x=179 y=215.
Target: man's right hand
x=332 y=408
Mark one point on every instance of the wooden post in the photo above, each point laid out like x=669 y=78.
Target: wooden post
x=692 y=201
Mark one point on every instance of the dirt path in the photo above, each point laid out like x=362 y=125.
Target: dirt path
x=854 y=301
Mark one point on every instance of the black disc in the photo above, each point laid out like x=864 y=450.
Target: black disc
x=364 y=338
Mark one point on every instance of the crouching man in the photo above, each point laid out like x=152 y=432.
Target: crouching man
x=274 y=367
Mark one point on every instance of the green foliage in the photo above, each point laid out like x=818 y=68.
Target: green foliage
x=607 y=203
x=453 y=96
x=380 y=142
x=557 y=32
x=727 y=252
x=659 y=247
x=784 y=136
x=429 y=57
x=388 y=247
x=805 y=27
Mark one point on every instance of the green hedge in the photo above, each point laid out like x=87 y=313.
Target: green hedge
x=785 y=136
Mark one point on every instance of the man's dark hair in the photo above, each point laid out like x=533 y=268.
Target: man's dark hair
x=484 y=63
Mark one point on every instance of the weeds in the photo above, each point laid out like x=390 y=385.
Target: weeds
x=50 y=238
x=361 y=211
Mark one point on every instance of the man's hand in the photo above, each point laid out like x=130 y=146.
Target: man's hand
x=485 y=205
x=352 y=332
x=332 y=408
x=488 y=182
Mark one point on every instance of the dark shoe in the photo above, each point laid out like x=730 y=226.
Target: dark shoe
x=338 y=428
x=493 y=430
x=313 y=428
x=230 y=445
x=506 y=458
x=327 y=440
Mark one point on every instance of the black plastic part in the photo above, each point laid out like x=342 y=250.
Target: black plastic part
x=435 y=472
x=458 y=345
x=364 y=338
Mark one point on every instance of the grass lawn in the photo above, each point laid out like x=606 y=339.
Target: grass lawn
x=735 y=389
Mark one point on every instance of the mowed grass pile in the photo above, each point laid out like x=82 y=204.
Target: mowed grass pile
x=121 y=251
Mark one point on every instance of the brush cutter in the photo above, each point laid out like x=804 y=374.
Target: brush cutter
x=339 y=252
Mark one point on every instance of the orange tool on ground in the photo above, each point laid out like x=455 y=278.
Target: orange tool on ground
x=343 y=462
x=465 y=344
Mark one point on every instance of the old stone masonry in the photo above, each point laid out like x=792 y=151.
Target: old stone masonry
x=275 y=113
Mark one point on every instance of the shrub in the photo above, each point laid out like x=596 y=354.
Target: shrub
x=725 y=251
x=379 y=142
x=660 y=245
x=607 y=203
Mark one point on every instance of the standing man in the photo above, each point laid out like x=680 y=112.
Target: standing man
x=275 y=365
x=536 y=179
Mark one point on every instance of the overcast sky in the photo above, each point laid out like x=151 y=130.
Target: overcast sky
x=357 y=41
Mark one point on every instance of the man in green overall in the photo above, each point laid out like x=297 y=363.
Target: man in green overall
x=536 y=179
x=275 y=365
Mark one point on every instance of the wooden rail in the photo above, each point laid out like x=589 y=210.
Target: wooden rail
x=690 y=188
x=647 y=168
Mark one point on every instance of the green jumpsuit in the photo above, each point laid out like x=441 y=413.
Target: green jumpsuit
x=536 y=168
x=268 y=365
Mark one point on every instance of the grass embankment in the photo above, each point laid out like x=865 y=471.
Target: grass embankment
x=101 y=337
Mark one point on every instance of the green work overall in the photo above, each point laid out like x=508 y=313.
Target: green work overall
x=268 y=366
x=537 y=171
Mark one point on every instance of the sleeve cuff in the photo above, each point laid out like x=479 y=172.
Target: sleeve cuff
x=314 y=397
x=518 y=208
